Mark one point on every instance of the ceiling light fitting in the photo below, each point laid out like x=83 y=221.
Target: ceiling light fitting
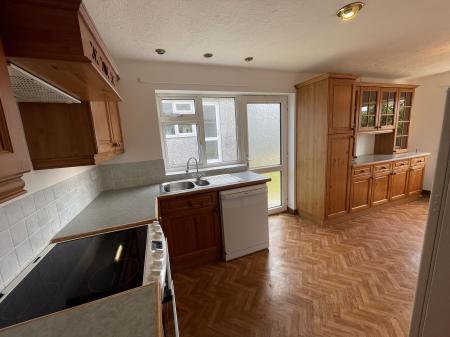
x=248 y=59
x=349 y=11
x=160 y=51
x=208 y=55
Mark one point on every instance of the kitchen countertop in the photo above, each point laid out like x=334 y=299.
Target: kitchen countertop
x=112 y=209
x=135 y=312
x=119 y=209
x=379 y=158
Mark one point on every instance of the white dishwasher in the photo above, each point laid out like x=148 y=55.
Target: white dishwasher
x=245 y=220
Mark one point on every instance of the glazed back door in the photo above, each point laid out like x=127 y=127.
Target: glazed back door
x=266 y=118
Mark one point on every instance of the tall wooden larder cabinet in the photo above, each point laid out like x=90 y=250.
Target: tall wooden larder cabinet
x=325 y=138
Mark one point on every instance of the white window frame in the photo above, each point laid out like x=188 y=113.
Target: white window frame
x=179 y=134
x=218 y=138
x=197 y=119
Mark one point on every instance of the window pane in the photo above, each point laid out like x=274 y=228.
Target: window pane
x=219 y=116
x=177 y=107
x=274 y=189
x=181 y=144
x=212 y=150
x=264 y=134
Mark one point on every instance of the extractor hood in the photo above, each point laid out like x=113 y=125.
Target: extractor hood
x=29 y=88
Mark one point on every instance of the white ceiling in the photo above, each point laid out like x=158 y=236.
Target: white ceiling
x=390 y=39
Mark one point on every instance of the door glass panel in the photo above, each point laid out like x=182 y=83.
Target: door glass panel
x=264 y=134
x=274 y=188
x=404 y=115
x=368 y=109
x=387 y=113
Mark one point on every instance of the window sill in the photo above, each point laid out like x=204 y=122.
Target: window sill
x=215 y=169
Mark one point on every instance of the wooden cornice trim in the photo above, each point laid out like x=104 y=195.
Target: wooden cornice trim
x=327 y=76
x=386 y=85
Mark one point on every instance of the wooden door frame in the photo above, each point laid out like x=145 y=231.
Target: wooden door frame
x=432 y=291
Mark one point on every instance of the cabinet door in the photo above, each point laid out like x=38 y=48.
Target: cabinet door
x=388 y=107
x=102 y=127
x=194 y=239
x=415 y=182
x=339 y=160
x=403 y=120
x=340 y=110
x=399 y=185
x=368 y=108
x=380 y=189
x=116 y=127
x=360 y=193
x=14 y=156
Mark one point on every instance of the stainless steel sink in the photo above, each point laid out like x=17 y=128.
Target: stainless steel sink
x=178 y=186
x=202 y=182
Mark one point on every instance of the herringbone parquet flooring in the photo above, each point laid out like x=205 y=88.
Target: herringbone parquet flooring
x=352 y=279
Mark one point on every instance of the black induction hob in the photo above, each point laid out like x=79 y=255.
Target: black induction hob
x=77 y=272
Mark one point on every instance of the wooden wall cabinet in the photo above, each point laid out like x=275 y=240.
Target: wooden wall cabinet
x=58 y=42
x=62 y=135
x=192 y=227
x=14 y=158
x=325 y=137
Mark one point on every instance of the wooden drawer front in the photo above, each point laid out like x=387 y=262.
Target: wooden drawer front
x=362 y=171
x=182 y=203
x=382 y=169
x=401 y=165
x=418 y=161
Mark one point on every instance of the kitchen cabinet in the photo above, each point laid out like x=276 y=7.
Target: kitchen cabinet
x=58 y=42
x=368 y=108
x=381 y=184
x=399 y=180
x=62 y=135
x=14 y=156
x=340 y=148
x=191 y=224
x=416 y=175
x=403 y=120
x=361 y=188
x=325 y=130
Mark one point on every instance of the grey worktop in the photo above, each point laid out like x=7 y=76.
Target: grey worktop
x=111 y=209
x=379 y=158
x=117 y=209
x=131 y=313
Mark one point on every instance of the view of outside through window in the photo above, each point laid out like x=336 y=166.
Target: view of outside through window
x=182 y=140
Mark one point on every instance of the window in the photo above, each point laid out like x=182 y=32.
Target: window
x=202 y=127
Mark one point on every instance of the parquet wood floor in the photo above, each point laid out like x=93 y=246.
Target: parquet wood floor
x=352 y=279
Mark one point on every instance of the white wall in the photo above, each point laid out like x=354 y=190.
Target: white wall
x=138 y=83
x=426 y=119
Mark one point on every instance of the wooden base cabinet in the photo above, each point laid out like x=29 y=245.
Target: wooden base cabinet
x=14 y=158
x=378 y=184
x=63 y=135
x=399 y=185
x=192 y=227
x=415 y=181
x=380 y=189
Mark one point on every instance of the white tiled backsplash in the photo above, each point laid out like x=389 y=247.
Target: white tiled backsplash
x=28 y=224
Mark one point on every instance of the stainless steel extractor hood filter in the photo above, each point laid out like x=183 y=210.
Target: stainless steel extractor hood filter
x=29 y=88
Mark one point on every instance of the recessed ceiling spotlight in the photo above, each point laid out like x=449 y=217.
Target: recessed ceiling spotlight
x=208 y=55
x=349 y=11
x=160 y=51
x=248 y=59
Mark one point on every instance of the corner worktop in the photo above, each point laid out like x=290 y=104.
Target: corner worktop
x=381 y=158
x=120 y=209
